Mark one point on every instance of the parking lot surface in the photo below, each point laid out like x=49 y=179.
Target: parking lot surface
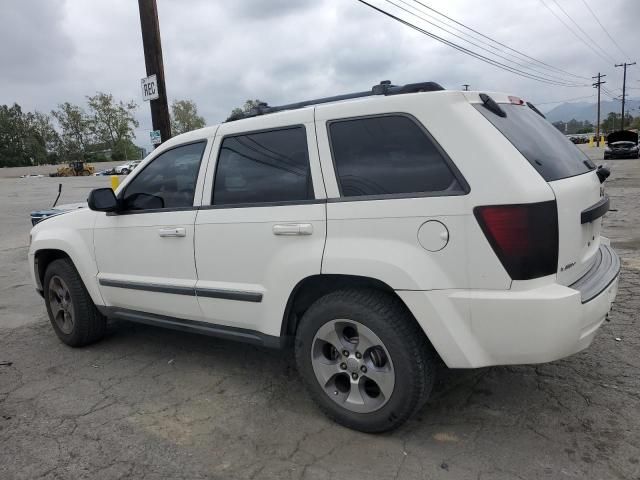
x=159 y=404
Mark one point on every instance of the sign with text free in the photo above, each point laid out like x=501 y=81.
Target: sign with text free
x=155 y=137
x=149 y=88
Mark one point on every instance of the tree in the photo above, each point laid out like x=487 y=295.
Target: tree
x=43 y=129
x=12 y=135
x=238 y=113
x=25 y=138
x=611 y=123
x=560 y=125
x=112 y=123
x=184 y=117
x=76 y=131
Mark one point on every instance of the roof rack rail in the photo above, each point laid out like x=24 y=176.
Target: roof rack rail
x=383 y=88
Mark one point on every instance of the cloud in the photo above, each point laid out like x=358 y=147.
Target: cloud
x=221 y=53
x=261 y=10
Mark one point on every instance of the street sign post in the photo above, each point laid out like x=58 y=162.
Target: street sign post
x=150 y=88
x=155 y=137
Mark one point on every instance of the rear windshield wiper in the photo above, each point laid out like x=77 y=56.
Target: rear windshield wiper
x=533 y=107
x=491 y=105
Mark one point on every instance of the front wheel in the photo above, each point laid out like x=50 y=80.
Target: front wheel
x=364 y=359
x=73 y=315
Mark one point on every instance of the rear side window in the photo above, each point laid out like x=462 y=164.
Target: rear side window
x=548 y=150
x=386 y=155
x=263 y=167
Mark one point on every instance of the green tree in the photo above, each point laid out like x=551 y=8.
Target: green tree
x=13 y=131
x=46 y=135
x=76 y=131
x=112 y=123
x=25 y=138
x=184 y=117
x=238 y=112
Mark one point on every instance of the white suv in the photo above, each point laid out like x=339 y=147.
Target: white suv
x=378 y=230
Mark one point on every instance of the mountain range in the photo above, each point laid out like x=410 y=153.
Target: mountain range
x=588 y=111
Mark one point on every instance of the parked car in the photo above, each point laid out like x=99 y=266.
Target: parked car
x=622 y=144
x=126 y=168
x=38 y=215
x=103 y=173
x=358 y=228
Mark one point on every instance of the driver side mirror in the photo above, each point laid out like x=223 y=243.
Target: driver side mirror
x=103 y=200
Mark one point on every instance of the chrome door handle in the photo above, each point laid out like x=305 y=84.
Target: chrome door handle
x=172 y=232
x=293 y=229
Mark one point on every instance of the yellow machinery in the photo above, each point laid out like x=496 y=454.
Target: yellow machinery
x=74 y=169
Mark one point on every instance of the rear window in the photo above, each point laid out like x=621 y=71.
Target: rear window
x=549 y=151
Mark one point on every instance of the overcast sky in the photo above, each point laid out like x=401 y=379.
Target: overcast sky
x=219 y=53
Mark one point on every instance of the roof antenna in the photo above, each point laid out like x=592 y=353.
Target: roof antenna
x=59 y=192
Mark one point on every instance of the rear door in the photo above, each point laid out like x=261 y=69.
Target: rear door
x=261 y=228
x=570 y=174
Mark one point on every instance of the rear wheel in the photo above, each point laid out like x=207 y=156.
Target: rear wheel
x=364 y=359
x=72 y=313
x=124 y=171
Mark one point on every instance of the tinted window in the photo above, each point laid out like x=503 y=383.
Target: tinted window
x=552 y=154
x=263 y=167
x=169 y=181
x=388 y=155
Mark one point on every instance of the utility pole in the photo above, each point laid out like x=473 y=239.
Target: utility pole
x=597 y=85
x=466 y=87
x=624 y=86
x=153 y=61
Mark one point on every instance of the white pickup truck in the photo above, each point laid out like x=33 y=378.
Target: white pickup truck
x=378 y=231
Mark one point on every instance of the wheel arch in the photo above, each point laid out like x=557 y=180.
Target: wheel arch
x=311 y=288
x=42 y=258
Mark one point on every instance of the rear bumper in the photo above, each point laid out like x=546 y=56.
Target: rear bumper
x=477 y=328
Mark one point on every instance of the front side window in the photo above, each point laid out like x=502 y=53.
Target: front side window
x=263 y=167
x=386 y=155
x=169 y=181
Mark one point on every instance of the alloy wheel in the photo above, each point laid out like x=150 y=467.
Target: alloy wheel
x=61 y=304
x=352 y=365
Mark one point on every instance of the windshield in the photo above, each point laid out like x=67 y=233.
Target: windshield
x=549 y=151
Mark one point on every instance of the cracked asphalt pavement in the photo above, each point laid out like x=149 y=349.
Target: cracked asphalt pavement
x=148 y=403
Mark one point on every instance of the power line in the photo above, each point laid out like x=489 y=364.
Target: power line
x=462 y=49
x=559 y=70
x=522 y=65
x=568 y=27
x=587 y=36
x=563 y=101
x=604 y=29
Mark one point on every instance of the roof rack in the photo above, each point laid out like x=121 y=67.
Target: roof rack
x=383 y=88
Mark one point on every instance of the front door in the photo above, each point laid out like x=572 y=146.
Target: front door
x=145 y=252
x=263 y=229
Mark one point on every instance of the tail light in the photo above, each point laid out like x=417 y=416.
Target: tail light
x=524 y=237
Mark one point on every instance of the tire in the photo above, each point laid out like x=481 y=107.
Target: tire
x=124 y=171
x=376 y=316
x=73 y=315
